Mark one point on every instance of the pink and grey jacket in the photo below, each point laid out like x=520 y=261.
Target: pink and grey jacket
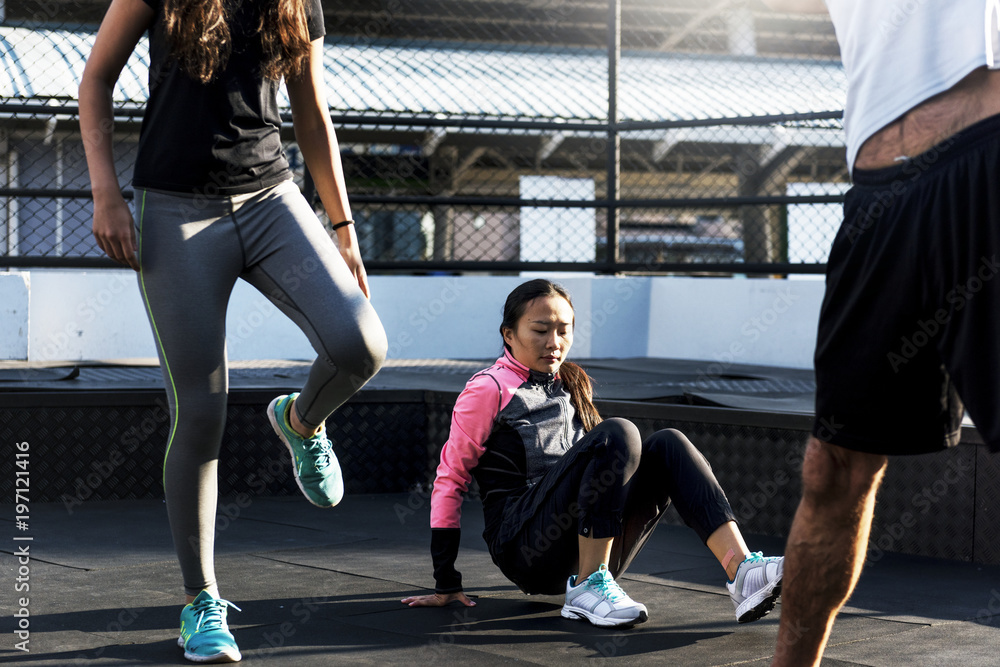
x=509 y=426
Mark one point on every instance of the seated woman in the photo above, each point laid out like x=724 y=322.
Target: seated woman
x=569 y=499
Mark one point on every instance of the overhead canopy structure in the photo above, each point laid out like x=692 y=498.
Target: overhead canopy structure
x=723 y=125
x=690 y=26
x=464 y=81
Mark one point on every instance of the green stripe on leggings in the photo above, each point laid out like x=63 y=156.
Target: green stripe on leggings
x=159 y=344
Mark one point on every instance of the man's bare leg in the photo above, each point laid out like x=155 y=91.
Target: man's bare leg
x=826 y=547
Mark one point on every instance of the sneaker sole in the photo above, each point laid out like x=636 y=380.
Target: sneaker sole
x=271 y=417
x=768 y=598
x=576 y=613
x=220 y=657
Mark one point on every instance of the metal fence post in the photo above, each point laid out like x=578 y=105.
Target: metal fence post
x=614 y=140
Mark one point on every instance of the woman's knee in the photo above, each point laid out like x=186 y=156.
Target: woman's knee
x=362 y=353
x=368 y=357
x=669 y=444
x=200 y=424
x=376 y=342
x=623 y=441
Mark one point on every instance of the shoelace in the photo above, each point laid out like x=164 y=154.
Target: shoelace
x=321 y=450
x=318 y=446
x=758 y=556
x=610 y=588
x=214 y=610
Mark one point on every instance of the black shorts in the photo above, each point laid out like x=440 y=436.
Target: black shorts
x=911 y=316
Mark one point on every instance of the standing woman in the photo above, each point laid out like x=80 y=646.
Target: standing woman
x=214 y=202
x=569 y=499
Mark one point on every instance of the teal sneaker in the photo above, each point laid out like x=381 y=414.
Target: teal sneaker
x=316 y=468
x=205 y=636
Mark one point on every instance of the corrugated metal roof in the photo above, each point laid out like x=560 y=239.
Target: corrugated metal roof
x=464 y=81
x=47 y=64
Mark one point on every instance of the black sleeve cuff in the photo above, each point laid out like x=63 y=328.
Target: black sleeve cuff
x=444 y=551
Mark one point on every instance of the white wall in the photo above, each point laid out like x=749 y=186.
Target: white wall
x=767 y=322
x=619 y=317
x=441 y=317
x=79 y=315
x=14 y=299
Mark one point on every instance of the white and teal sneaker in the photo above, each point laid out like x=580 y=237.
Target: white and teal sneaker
x=316 y=468
x=205 y=635
x=600 y=600
x=757 y=586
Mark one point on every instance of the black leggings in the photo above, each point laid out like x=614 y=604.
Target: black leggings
x=610 y=484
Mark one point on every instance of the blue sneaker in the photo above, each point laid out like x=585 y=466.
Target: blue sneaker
x=757 y=586
x=316 y=468
x=205 y=636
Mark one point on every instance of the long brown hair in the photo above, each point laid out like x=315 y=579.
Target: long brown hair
x=575 y=379
x=198 y=36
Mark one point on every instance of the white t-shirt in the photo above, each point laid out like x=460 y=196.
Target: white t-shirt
x=898 y=53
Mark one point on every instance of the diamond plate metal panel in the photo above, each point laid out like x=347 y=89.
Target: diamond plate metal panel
x=758 y=468
x=380 y=447
x=944 y=505
x=112 y=453
x=82 y=453
x=926 y=506
x=987 y=524
x=252 y=460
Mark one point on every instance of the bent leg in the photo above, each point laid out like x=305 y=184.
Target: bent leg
x=580 y=500
x=294 y=262
x=670 y=469
x=826 y=546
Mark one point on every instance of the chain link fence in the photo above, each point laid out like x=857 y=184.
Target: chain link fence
x=590 y=135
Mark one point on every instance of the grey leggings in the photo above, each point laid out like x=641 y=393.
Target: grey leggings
x=192 y=249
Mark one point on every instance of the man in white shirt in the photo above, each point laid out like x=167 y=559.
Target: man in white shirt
x=909 y=329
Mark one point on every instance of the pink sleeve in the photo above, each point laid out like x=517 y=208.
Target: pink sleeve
x=471 y=422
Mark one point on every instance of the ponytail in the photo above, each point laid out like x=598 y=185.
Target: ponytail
x=581 y=393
